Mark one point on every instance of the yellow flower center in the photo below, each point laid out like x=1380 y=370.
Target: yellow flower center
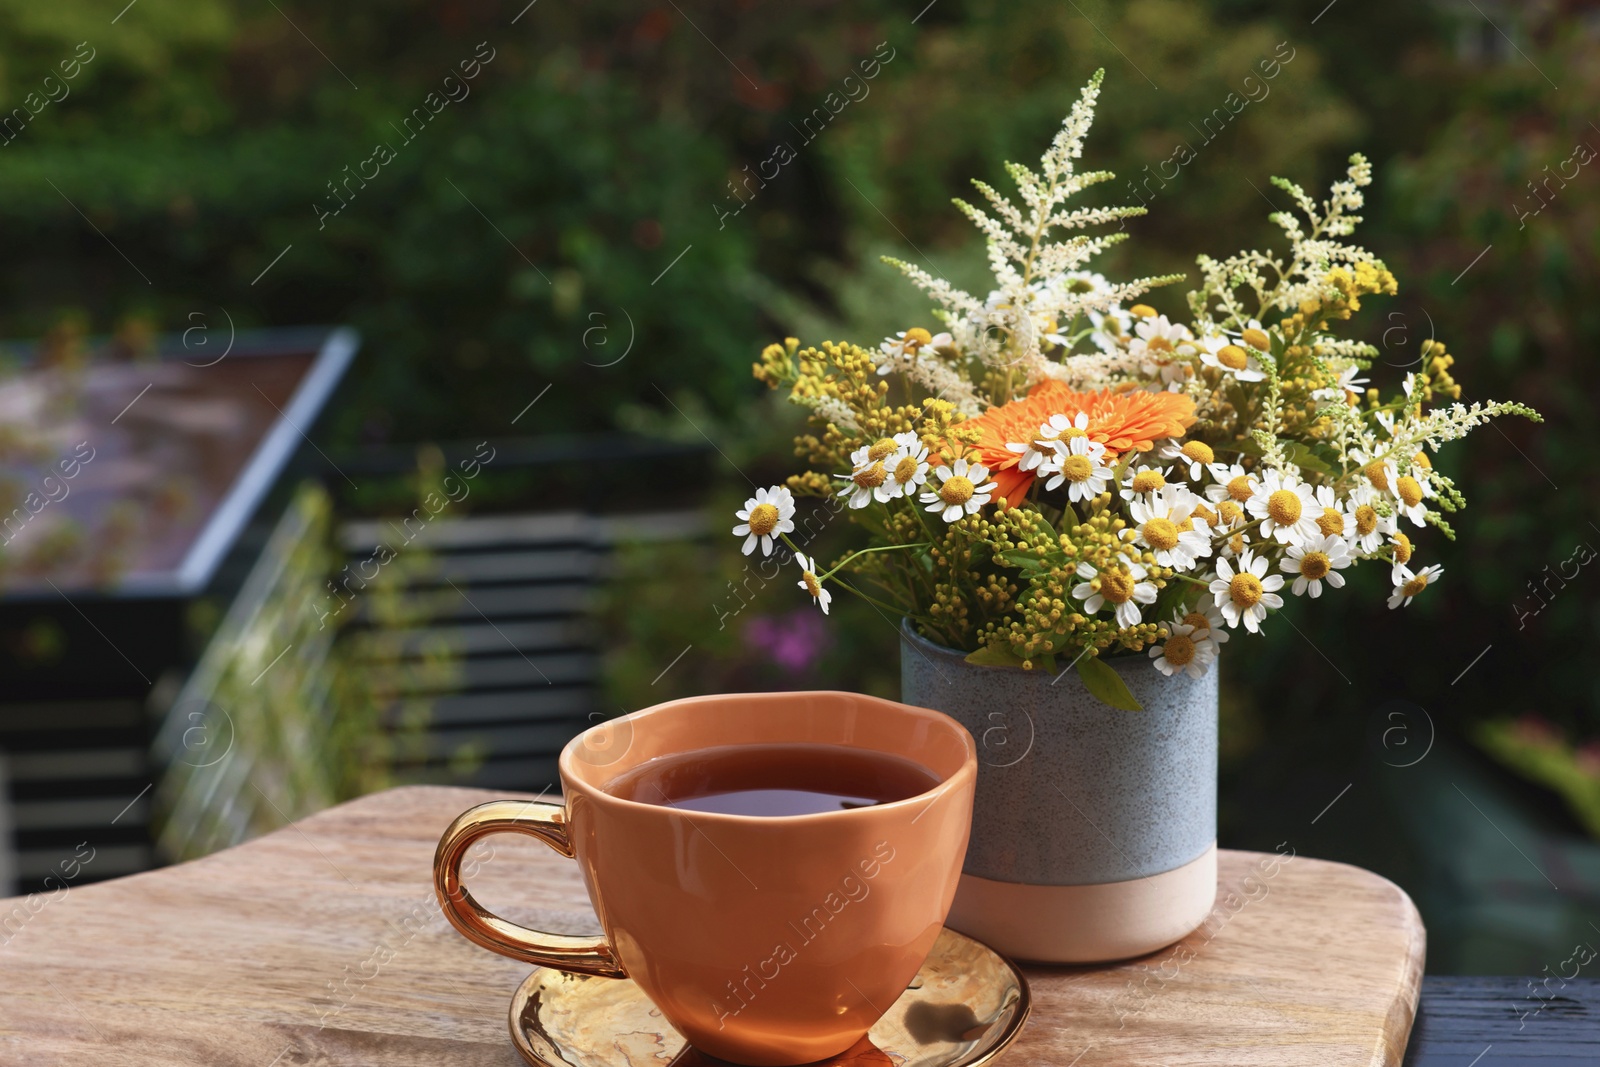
x=871 y=477
x=1203 y=512
x=763 y=519
x=1315 y=565
x=1421 y=460
x=1239 y=488
x=813 y=586
x=1229 y=512
x=1077 y=468
x=1073 y=431
x=1409 y=490
x=1198 y=620
x=1366 y=519
x=1245 y=590
x=1142 y=311
x=1116 y=586
x=1160 y=534
x=1148 y=481
x=1332 y=522
x=1199 y=452
x=1402 y=548
x=882 y=450
x=1257 y=339
x=1158 y=344
x=1233 y=357
x=1376 y=474
x=1179 y=650
x=1284 y=507
x=1415 y=585
x=906 y=470
x=1236 y=542
x=957 y=490
x=916 y=337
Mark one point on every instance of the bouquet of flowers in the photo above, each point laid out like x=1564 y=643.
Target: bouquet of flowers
x=1060 y=474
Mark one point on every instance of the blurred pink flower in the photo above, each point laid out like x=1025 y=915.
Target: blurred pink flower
x=794 y=641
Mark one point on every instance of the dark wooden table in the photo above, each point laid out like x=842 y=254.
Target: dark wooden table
x=1500 y=1022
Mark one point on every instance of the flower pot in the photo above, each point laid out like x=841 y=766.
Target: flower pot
x=1093 y=829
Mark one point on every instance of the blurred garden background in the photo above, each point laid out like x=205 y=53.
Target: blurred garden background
x=564 y=231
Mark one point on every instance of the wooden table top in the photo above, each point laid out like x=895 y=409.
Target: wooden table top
x=322 y=943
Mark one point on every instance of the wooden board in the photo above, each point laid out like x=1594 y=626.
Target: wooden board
x=321 y=943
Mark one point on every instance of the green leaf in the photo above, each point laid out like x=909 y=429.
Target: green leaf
x=990 y=656
x=1244 y=445
x=1022 y=557
x=1303 y=457
x=1102 y=680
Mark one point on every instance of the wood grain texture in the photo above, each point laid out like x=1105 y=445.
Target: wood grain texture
x=321 y=943
x=1539 y=1021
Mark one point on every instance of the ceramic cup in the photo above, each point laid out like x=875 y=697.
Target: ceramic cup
x=768 y=941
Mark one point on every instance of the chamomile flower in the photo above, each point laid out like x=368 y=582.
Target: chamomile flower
x=1236 y=544
x=1229 y=481
x=1331 y=518
x=1408 y=585
x=766 y=515
x=868 y=483
x=1368 y=524
x=1244 y=594
x=1315 y=562
x=963 y=490
x=899 y=352
x=1122 y=585
x=1077 y=464
x=1284 y=504
x=1206 y=619
x=1164 y=525
x=1204 y=512
x=1165 y=348
x=1401 y=552
x=1051 y=433
x=1196 y=456
x=908 y=467
x=1143 y=480
x=1229 y=357
x=1252 y=335
x=1379 y=473
x=811 y=583
x=1409 y=493
x=876 y=452
x=1346 y=384
x=1185 y=649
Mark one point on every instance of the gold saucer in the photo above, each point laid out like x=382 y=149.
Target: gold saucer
x=962 y=1009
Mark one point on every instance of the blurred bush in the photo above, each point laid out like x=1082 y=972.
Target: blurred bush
x=603 y=141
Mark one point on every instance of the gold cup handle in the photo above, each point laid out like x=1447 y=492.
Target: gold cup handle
x=547 y=822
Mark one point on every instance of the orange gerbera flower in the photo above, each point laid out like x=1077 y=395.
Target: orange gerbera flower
x=1123 y=422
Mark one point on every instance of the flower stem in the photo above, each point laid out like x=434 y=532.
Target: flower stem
x=880 y=548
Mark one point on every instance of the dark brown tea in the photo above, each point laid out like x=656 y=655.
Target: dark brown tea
x=773 y=779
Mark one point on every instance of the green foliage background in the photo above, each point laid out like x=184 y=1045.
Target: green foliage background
x=600 y=142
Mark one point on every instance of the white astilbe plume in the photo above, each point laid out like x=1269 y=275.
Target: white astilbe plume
x=831 y=409
x=1026 y=307
x=946 y=383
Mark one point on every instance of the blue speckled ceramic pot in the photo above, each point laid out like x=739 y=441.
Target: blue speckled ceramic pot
x=1093 y=829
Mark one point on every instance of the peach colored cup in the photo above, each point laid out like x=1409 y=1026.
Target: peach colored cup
x=765 y=941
